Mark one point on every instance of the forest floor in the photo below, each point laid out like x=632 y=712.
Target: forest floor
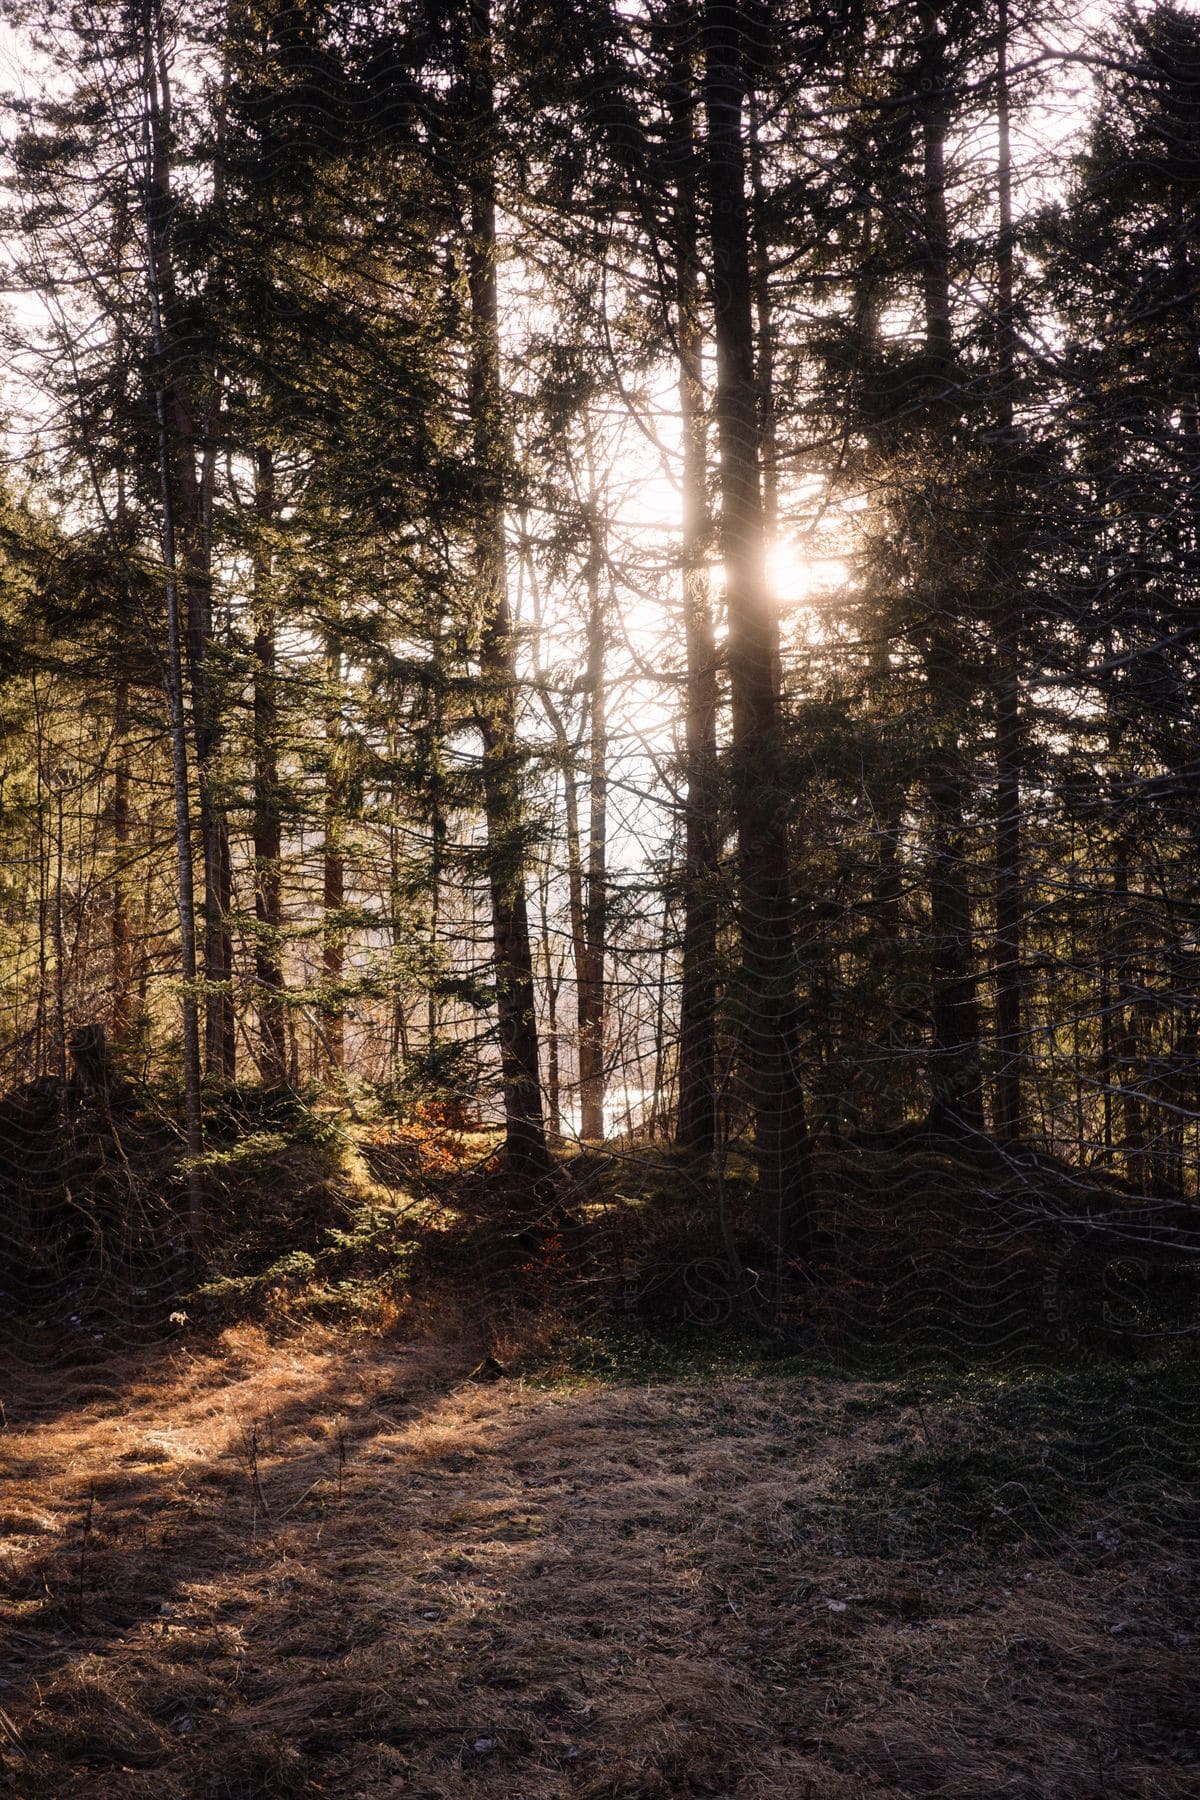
x=341 y=1565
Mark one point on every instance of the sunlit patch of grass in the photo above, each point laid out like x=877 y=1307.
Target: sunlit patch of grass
x=368 y=1568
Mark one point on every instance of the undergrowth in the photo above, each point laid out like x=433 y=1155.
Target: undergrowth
x=632 y=1258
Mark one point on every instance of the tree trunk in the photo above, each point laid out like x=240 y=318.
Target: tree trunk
x=577 y=907
x=438 y=831
x=887 y=792
x=1009 y=741
x=43 y=877
x=957 y=1077
x=190 y=487
x=696 y=1118
x=121 y=1013
x=333 y=868
x=268 y=828
x=764 y=330
x=553 y=980
x=525 y=1132
x=220 y=1023
x=398 y=1043
x=590 y=981
x=760 y=801
x=156 y=217
x=1125 y=1036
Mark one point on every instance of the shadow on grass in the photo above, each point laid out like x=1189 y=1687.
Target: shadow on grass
x=325 y=1566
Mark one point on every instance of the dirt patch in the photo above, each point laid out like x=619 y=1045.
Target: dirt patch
x=344 y=1567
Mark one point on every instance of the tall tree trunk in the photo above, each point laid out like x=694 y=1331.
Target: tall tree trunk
x=590 y=975
x=190 y=472
x=398 y=1042
x=696 y=1118
x=659 y=1087
x=438 y=832
x=155 y=211
x=957 y=1075
x=121 y=1013
x=1104 y=1000
x=220 y=1022
x=1009 y=741
x=552 y=975
x=525 y=1132
x=887 y=791
x=59 y=778
x=760 y=802
x=567 y=754
x=333 y=866
x=268 y=827
x=1128 y=1057
x=43 y=877
x=764 y=329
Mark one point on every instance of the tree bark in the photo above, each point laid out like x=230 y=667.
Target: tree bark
x=590 y=975
x=190 y=483
x=764 y=329
x=765 y=912
x=333 y=867
x=553 y=979
x=957 y=1076
x=525 y=1133
x=567 y=753
x=1010 y=897
x=957 y=1090
x=1128 y=1058
x=696 y=1117
x=155 y=222
x=121 y=1011
x=438 y=834
x=268 y=826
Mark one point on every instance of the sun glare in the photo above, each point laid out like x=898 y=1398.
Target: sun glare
x=790 y=574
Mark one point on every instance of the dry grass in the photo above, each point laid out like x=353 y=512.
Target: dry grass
x=342 y=1567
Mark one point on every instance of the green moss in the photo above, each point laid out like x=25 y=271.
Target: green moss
x=635 y=1353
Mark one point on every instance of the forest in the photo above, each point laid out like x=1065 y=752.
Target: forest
x=599 y=898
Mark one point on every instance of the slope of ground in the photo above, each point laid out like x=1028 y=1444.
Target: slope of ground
x=348 y=1568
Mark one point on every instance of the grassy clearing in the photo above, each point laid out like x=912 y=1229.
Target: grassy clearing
x=626 y=1554
x=328 y=1565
